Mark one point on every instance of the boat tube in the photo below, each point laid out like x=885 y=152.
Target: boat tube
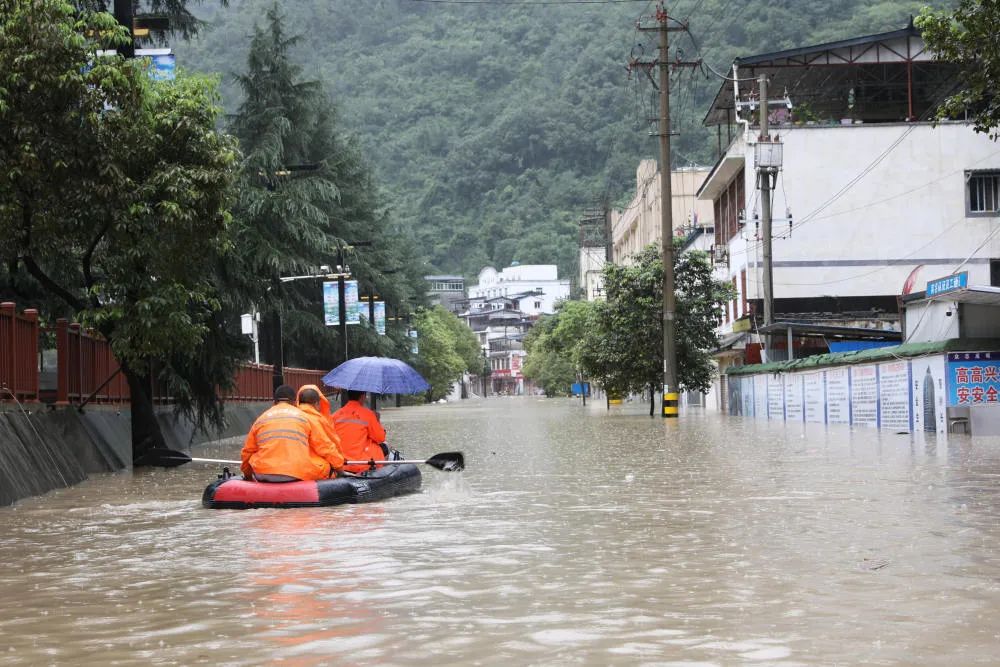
x=385 y=482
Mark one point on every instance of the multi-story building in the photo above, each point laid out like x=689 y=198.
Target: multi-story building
x=447 y=291
x=500 y=325
x=871 y=197
x=536 y=286
x=639 y=223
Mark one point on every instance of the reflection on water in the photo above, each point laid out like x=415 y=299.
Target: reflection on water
x=575 y=536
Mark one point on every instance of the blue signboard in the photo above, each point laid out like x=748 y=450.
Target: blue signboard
x=163 y=67
x=580 y=388
x=352 y=305
x=973 y=378
x=380 y=317
x=331 y=304
x=947 y=284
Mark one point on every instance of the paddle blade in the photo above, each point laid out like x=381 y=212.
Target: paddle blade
x=447 y=461
x=162 y=458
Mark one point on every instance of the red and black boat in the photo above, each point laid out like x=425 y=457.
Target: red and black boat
x=229 y=492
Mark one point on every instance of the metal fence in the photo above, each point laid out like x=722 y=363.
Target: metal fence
x=18 y=353
x=88 y=372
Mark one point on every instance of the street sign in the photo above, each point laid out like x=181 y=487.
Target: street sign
x=947 y=284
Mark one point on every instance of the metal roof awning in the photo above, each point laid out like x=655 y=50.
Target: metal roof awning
x=728 y=342
x=978 y=294
x=893 y=74
x=808 y=329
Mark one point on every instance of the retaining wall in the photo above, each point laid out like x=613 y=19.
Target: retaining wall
x=43 y=449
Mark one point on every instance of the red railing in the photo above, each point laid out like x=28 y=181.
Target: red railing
x=18 y=353
x=297 y=377
x=86 y=368
x=254 y=382
x=88 y=372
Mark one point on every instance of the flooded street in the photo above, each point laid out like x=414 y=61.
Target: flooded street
x=575 y=536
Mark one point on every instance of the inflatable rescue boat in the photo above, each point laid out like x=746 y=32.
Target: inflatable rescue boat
x=385 y=482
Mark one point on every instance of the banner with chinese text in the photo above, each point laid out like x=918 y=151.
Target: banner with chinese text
x=973 y=378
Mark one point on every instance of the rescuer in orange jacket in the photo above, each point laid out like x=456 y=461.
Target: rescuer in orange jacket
x=283 y=445
x=317 y=408
x=361 y=434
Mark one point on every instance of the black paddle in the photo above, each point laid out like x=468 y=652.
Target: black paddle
x=169 y=458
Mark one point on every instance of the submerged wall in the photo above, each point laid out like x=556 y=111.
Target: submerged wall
x=890 y=388
x=43 y=449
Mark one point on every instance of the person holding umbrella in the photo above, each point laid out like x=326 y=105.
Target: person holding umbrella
x=361 y=433
x=362 y=436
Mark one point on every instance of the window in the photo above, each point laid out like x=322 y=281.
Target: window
x=538 y=304
x=982 y=193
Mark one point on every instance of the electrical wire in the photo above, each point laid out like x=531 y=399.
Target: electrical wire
x=525 y=3
x=989 y=236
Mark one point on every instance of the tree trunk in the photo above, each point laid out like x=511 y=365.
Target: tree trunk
x=652 y=398
x=146 y=434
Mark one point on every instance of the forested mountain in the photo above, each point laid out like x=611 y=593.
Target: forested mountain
x=492 y=125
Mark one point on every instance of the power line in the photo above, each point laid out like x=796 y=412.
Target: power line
x=525 y=3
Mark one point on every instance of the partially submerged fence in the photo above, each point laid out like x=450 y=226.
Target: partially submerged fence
x=88 y=372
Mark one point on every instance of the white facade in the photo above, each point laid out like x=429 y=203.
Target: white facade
x=592 y=261
x=516 y=281
x=870 y=205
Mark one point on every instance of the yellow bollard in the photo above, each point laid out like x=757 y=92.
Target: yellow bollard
x=670 y=401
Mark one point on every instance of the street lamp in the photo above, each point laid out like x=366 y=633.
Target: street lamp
x=249 y=322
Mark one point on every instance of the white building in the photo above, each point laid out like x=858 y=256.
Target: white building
x=592 y=261
x=869 y=196
x=536 y=287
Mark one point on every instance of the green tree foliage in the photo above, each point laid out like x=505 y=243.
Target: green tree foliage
x=493 y=125
x=967 y=37
x=182 y=21
x=306 y=194
x=624 y=348
x=115 y=195
x=447 y=347
x=555 y=346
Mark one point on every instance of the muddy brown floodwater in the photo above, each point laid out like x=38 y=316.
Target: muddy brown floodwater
x=576 y=536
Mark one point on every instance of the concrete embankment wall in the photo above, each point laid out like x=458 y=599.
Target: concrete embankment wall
x=43 y=449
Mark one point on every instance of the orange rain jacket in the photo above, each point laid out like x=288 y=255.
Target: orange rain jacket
x=320 y=418
x=283 y=441
x=361 y=434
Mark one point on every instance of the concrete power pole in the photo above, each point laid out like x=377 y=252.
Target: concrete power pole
x=768 y=159
x=765 y=214
x=669 y=408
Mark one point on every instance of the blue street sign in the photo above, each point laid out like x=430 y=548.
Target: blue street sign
x=947 y=284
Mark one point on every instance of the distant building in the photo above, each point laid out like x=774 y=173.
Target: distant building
x=639 y=223
x=446 y=291
x=535 y=287
x=501 y=308
x=592 y=261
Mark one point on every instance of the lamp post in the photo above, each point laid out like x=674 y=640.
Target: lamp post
x=278 y=352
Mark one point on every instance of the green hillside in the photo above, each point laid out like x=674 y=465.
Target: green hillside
x=492 y=126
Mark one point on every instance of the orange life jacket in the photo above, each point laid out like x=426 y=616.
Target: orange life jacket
x=361 y=435
x=283 y=441
x=319 y=419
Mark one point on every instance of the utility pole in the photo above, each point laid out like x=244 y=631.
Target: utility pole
x=341 y=297
x=670 y=379
x=768 y=158
x=765 y=206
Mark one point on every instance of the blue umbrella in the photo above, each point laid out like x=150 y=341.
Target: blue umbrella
x=376 y=375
